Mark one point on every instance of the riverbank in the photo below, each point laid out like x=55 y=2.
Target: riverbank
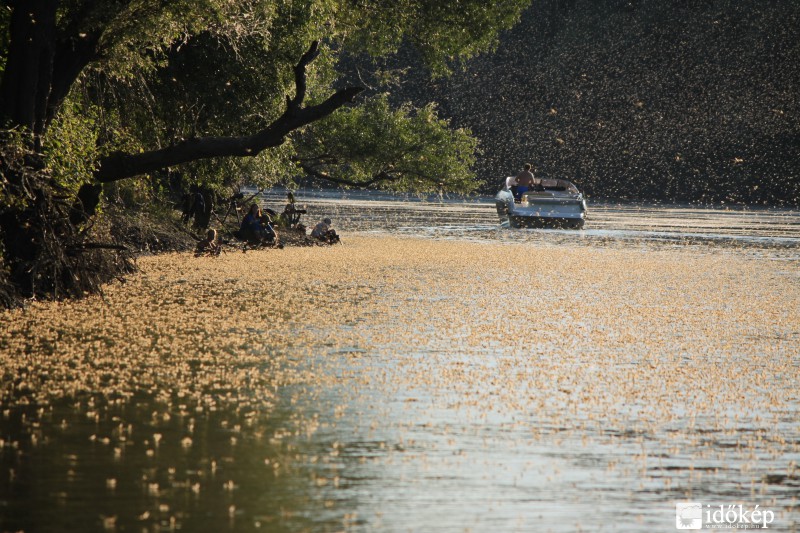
x=116 y=238
x=498 y=382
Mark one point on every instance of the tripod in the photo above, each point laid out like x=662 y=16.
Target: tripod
x=233 y=207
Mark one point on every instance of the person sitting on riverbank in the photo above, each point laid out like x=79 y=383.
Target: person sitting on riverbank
x=291 y=213
x=208 y=246
x=323 y=232
x=257 y=228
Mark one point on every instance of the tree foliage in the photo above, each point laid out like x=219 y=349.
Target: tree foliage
x=405 y=149
x=165 y=72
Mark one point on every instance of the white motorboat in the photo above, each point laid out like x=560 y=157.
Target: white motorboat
x=549 y=203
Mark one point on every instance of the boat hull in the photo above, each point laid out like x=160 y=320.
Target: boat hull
x=545 y=222
x=541 y=211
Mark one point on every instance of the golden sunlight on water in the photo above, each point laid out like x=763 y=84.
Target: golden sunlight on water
x=408 y=384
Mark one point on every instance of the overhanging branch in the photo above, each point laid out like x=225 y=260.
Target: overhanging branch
x=121 y=165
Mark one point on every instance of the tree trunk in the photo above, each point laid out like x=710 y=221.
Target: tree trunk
x=40 y=67
x=28 y=73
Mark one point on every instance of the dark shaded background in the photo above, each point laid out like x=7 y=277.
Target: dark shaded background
x=675 y=100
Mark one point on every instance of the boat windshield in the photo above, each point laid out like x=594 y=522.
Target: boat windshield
x=555 y=185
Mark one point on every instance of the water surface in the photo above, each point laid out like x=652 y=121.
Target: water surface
x=433 y=373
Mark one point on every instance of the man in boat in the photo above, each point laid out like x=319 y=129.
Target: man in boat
x=525 y=181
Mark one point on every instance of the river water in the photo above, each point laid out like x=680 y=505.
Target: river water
x=433 y=373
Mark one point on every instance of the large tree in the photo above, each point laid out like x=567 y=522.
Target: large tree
x=97 y=91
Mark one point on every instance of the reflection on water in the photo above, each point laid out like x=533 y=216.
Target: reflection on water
x=482 y=379
x=79 y=468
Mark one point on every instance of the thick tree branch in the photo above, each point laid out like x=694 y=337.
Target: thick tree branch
x=120 y=165
x=300 y=75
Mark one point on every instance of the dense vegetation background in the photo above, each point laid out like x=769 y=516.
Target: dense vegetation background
x=688 y=101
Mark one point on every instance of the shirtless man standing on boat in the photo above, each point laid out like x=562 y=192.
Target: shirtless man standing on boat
x=525 y=181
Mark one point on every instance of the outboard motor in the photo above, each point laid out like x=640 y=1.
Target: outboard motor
x=504 y=203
